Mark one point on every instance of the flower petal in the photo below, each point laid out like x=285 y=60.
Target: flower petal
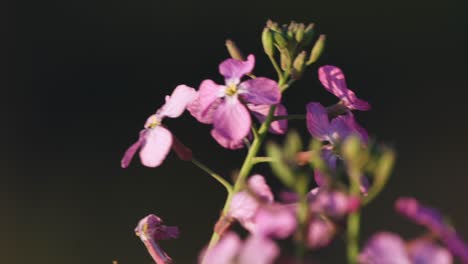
x=384 y=248
x=258 y=185
x=243 y=207
x=274 y=221
x=175 y=104
x=333 y=79
x=206 y=101
x=158 y=142
x=233 y=70
x=130 y=152
x=260 y=91
x=232 y=120
x=320 y=232
x=427 y=252
x=317 y=121
x=226 y=142
x=224 y=252
x=261 y=111
x=258 y=250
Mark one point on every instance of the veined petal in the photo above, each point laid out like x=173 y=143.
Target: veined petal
x=232 y=120
x=258 y=250
x=260 y=91
x=261 y=111
x=333 y=79
x=130 y=152
x=233 y=70
x=226 y=142
x=317 y=121
x=175 y=104
x=206 y=101
x=224 y=252
x=158 y=142
x=344 y=126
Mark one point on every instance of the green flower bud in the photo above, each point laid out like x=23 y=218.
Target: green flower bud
x=309 y=33
x=317 y=50
x=299 y=34
x=267 y=41
x=298 y=65
x=233 y=50
x=285 y=59
x=279 y=39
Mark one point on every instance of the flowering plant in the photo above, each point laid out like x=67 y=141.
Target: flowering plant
x=327 y=183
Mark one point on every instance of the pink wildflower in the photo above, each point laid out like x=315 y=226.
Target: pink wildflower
x=150 y=230
x=224 y=105
x=155 y=140
x=333 y=79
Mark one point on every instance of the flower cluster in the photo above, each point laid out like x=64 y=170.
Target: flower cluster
x=327 y=183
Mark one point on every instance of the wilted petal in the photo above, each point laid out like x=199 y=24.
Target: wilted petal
x=274 y=221
x=224 y=252
x=233 y=69
x=156 y=146
x=150 y=230
x=206 y=101
x=333 y=79
x=128 y=156
x=317 y=121
x=258 y=250
x=426 y=252
x=175 y=105
x=260 y=91
x=232 y=120
x=261 y=111
x=320 y=232
x=384 y=248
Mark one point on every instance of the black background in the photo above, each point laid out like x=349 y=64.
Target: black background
x=82 y=76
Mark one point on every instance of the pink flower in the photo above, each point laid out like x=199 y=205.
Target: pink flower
x=333 y=79
x=389 y=248
x=224 y=105
x=155 y=140
x=150 y=230
x=335 y=204
x=320 y=232
x=231 y=250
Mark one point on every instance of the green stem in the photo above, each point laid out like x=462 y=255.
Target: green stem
x=216 y=176
x=276 y=66
x=262 y=159
x=353 y=224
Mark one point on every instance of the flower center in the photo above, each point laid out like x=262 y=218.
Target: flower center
x=231 y=90
x=152 y=122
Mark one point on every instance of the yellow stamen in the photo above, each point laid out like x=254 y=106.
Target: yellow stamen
x=231 y=90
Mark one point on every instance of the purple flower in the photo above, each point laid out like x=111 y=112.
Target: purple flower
x=332 y=203
x=155 y=140
x=433 y=220
x=231 y=250
x=275 y=221
x=320 y=232
x=389 y=248
x=224 y=105
x=276 y=127
x=150 y=230
x=333 y=79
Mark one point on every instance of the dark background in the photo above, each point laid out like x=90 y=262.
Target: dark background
x=82 y=76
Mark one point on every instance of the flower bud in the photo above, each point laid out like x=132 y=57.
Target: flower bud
x=285 y=59
x=316 y=50
x=308 y=34
x=298 y=65
x=279 y=40
x=234 y=51
x=267 y=41
x=299 y=34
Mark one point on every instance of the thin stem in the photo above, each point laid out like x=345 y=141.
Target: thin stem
x=217 y=177
x=353 y=224
x=262 y=159
x=277 y=68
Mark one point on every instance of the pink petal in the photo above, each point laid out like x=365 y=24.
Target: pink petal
x=333 y=79
x=243 y=207
x=384 y=248
x=206 y=102
x=427 y=252
x=233 y=70
x=158 y=142
x=260 y=91
x=258 y=185
x=258 y=250
x=261 y=111
x=128 y=156
x=175 y=104
x=232 y=120
x=317 y=121
x=274 y=221
x=320 y=232
x=224 y=252
x=226 y=142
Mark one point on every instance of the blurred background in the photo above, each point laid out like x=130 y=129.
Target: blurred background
x=82 y=77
